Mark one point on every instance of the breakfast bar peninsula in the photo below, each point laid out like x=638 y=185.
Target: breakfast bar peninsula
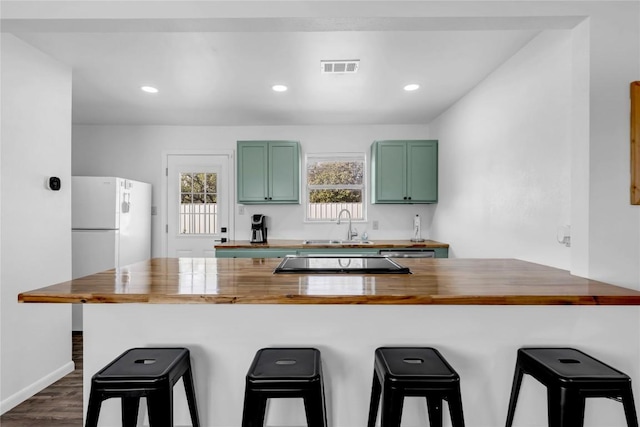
x=477 y=312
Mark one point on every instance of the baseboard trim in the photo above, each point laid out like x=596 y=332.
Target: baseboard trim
x=36 y=387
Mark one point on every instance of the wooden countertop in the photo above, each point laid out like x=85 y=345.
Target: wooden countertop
x=251 y=281
x=297 y=244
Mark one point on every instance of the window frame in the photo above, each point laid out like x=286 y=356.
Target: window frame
x=348 y=156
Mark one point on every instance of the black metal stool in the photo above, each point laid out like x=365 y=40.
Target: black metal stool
x=414 y=371
x=144 y=372
x=570 y=376
x=285 y=372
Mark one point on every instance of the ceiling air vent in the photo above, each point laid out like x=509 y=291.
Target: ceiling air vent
x=340 y=67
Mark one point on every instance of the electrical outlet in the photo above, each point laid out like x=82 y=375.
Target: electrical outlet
x=375 y=225
x=240 y=209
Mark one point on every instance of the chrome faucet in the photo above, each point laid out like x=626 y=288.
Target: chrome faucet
x=350 y=233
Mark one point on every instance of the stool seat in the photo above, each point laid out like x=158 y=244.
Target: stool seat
x=144 y=366
x=415 y=363
x=570 y=376
x=291 y=364
x=285 y=372
x=144 y=372
x=569 y=366
x=414 y=371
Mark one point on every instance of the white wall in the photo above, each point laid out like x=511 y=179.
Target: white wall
x=580 y=135
x=136 y=152
x=605 y=227
x=36 y=222
x=614 y=224
x=505 y=159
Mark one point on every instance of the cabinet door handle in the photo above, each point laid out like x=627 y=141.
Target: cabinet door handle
x=266 y=198
x=409 y=198
x=405 y=198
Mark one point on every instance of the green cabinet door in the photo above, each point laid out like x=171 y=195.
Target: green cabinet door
x=422 y=172
x=284 y=172
x=404 y=171
x=390 y=180
x=268 y=172
x=253 y=165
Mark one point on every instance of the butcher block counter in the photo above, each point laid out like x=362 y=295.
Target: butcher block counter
x=476 y=312
x=252 y=281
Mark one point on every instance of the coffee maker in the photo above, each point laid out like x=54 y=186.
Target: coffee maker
x=258 y=228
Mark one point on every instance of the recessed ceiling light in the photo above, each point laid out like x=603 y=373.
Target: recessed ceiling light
x=279 y=88
x=412 y=87
x=149 y=89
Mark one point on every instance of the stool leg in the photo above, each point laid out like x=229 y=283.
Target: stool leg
x=189 y=388
x=130 y=406
x=515 y=391
x=254 y=409
x=455 y=409
x=434 y=407
x=261 y=412
x=629 y=408
x=376 y=389
x=565 y=408
x=554 y=409
x=160 y=406
x=315 y=408
x=392 y=402
x=93 y=410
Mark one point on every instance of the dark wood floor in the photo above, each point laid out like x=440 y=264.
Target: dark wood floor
x=59 y=405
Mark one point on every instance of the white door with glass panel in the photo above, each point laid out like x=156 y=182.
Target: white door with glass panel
x=197 y=204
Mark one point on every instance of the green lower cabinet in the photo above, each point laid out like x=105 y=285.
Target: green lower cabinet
x=441 y=252
x=417 y=252
x=283 y=252
x=254 y=253
x=338 y=251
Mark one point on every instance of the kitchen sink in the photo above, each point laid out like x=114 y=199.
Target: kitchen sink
x=336 y=242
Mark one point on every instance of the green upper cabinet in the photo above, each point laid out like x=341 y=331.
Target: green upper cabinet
x=404 y=171
x=268 y=172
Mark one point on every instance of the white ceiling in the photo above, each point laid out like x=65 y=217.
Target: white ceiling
x=225 y=78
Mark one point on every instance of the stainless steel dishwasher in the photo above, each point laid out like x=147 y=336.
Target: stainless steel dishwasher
x=408 y=253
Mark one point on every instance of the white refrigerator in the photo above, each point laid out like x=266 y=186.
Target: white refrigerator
x=111 y=226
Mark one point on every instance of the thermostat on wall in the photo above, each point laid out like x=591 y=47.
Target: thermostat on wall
x=53 y=183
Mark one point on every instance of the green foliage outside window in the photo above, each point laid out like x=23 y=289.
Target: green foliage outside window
x=339 y=174
x=199 y=187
